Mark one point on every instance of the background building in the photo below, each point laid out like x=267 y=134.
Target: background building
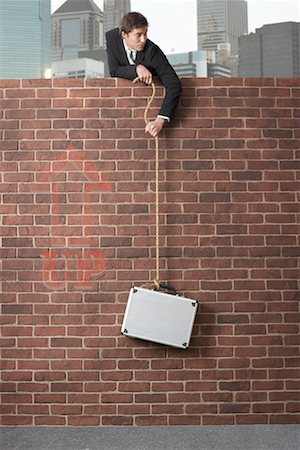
x=76 y=26
x=222 y=22
x=200 y=63
x=77 y=33
x=78 y=68
x=272 y=51
x=218 y=71
x=190 y=64
x=114 y=10
x=25 y=38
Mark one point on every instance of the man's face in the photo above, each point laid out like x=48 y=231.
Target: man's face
x=136 y=38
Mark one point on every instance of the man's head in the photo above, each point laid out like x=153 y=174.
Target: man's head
x=133 y=29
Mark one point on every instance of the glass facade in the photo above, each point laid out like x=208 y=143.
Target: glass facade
x=70 y=38
x=191 y=64
x=221 y=21
x=25 y=38
x=272 y=51
x=114 y=10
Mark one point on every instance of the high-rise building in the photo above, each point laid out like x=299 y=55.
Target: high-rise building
x=25 y=38
x=77 y=26
x=272 y=51
x=220 y=22
x=114 y=10
x=189 y=64
x=200 y=63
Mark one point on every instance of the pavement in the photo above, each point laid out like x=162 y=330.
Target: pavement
x=249 y=437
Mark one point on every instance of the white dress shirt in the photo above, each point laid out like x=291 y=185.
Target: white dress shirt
x=131 y=53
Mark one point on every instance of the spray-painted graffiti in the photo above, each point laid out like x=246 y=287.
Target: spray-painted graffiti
x=73 y=259
x=79 y=266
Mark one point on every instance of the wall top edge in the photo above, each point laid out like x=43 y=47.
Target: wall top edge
x=119 y=82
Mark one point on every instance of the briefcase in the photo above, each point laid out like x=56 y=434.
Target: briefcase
x=159 y=317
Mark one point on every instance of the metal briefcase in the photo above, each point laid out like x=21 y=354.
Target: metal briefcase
x=159 y=317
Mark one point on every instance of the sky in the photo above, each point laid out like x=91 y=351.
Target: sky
x=172 y=33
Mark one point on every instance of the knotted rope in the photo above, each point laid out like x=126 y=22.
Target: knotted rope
x=156 y=281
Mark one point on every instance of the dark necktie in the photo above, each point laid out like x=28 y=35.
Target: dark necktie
x=132 y=55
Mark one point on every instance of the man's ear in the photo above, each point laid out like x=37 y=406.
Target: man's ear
x=123 y=34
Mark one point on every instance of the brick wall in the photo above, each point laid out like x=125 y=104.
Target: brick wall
x=78 y=228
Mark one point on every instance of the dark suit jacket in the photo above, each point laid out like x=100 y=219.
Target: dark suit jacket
x=151 y=57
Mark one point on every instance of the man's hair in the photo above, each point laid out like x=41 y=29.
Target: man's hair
x=133 y=20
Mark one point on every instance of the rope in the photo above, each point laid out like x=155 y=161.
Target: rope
x=156 y=281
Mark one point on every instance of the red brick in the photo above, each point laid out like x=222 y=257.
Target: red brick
x=285 y=419
x=16 y=398
x=15 y=420
x=17 y=309
x=235 y=408
x=218 y=419
x=150 y=398
x=66 y=410
x=185 y=420
x=33 y=409
x=229 y=239
x=117 y=420
x=66 y=342
x=49 y=420
x=19 y=93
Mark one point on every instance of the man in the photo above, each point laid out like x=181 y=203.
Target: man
x=131 y=54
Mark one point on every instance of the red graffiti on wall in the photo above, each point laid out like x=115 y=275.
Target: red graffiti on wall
x=73 y=260
x=81 y=267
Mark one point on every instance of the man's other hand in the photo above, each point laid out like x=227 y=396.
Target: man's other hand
x=154 y=127
x=144 y=74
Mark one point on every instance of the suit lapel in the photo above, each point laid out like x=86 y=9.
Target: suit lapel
x=122 y=52
x=139 y=57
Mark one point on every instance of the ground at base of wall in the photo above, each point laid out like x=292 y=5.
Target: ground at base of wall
x=250 y=437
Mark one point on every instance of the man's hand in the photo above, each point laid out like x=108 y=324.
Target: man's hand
x=144 y=74
x=155 y=127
